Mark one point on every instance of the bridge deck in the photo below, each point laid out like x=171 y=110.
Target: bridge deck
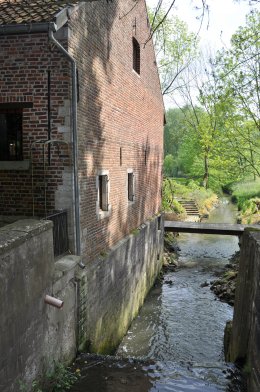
x=206 y=228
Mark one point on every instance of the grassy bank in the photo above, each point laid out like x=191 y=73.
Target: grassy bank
x=174 y=189
x=246 y=194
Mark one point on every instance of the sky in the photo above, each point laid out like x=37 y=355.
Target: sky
x=225 y=16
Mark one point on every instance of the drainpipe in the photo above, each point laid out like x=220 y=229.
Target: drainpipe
x=74 y=133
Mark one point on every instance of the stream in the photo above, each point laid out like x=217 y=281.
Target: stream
x=176 y=342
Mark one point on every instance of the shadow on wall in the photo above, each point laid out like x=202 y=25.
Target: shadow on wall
x=92 y=49
x=147 y=190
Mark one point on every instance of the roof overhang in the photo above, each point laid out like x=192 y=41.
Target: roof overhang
x=27 y=28
x=59 y=20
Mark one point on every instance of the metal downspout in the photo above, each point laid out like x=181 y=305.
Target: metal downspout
x=75 y=138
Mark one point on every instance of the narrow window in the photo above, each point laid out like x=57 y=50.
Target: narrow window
x=130 y=186
x=11 y=122
x=103 y=192
x=136 y=56
x=121 y=156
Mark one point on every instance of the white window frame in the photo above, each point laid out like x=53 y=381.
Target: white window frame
x=99 y=211
x=131 y=171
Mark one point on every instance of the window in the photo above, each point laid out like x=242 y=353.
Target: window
x=103 y=192
x=102 y=184
x=11 y=122
x=136 y=56
x=130 y=185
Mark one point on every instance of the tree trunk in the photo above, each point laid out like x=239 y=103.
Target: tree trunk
x=206 y=172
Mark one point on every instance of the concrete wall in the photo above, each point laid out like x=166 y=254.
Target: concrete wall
x=32 y=334
x=245 y=336
x=100 y=301
x=114 y=286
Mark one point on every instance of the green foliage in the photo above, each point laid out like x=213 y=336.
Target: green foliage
x=169 y=203
x=59 y=380
x=169 y=166
x=174 y=130
x=173 y=189
x=220 y=140
x=237 y=72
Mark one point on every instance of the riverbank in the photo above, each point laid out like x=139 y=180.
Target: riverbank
x=225 y=286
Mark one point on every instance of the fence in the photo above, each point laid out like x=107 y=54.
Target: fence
x=60 y=232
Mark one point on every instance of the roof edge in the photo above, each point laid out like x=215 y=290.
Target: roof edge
x=28 y=28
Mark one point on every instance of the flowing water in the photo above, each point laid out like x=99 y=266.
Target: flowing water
x=176 y=342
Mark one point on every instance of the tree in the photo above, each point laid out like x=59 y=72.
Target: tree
x=239 y=69
x=175 y=48
x=238 y=72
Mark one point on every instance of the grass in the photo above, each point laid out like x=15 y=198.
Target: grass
x=243 y=191
x=246 y=194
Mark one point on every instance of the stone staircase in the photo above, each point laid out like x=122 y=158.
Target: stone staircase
x=190 y=207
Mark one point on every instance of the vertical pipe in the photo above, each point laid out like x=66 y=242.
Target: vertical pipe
x=75 y=139
x=49 y=116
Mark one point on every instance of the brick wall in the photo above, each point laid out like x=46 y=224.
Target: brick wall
x=25 y=61
x=118 y=109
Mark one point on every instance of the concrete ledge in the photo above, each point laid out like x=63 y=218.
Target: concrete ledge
x=65 y=270
x=14 y=165
x=20 y=231
x=67 y=263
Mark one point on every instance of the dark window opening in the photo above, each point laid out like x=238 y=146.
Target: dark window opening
x=131 y=186
x=121 y=156
x=103 y=192
x=159 y=221
x=136 y=56
x=11 y=124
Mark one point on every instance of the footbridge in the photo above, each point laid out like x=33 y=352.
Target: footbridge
x=207 y=228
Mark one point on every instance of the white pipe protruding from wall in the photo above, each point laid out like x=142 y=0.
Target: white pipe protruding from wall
x=57 y=303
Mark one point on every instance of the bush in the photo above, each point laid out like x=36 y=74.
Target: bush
x=169 y=203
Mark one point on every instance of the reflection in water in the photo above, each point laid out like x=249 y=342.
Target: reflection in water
x=177 y=339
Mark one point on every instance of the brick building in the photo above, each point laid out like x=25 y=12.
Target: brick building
x=94 y=150
x=81 y=138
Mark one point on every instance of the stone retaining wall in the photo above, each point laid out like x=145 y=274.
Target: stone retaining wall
x=245 y=336
x=32 y=334
x=114 y=286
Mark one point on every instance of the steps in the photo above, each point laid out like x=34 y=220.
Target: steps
x=190 y=206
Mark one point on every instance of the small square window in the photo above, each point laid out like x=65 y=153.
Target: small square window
x=11 y=123
x=136 y=56
x=130 y=186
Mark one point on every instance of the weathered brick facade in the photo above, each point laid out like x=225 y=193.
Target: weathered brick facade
x=120 y=121
x=25 y=61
